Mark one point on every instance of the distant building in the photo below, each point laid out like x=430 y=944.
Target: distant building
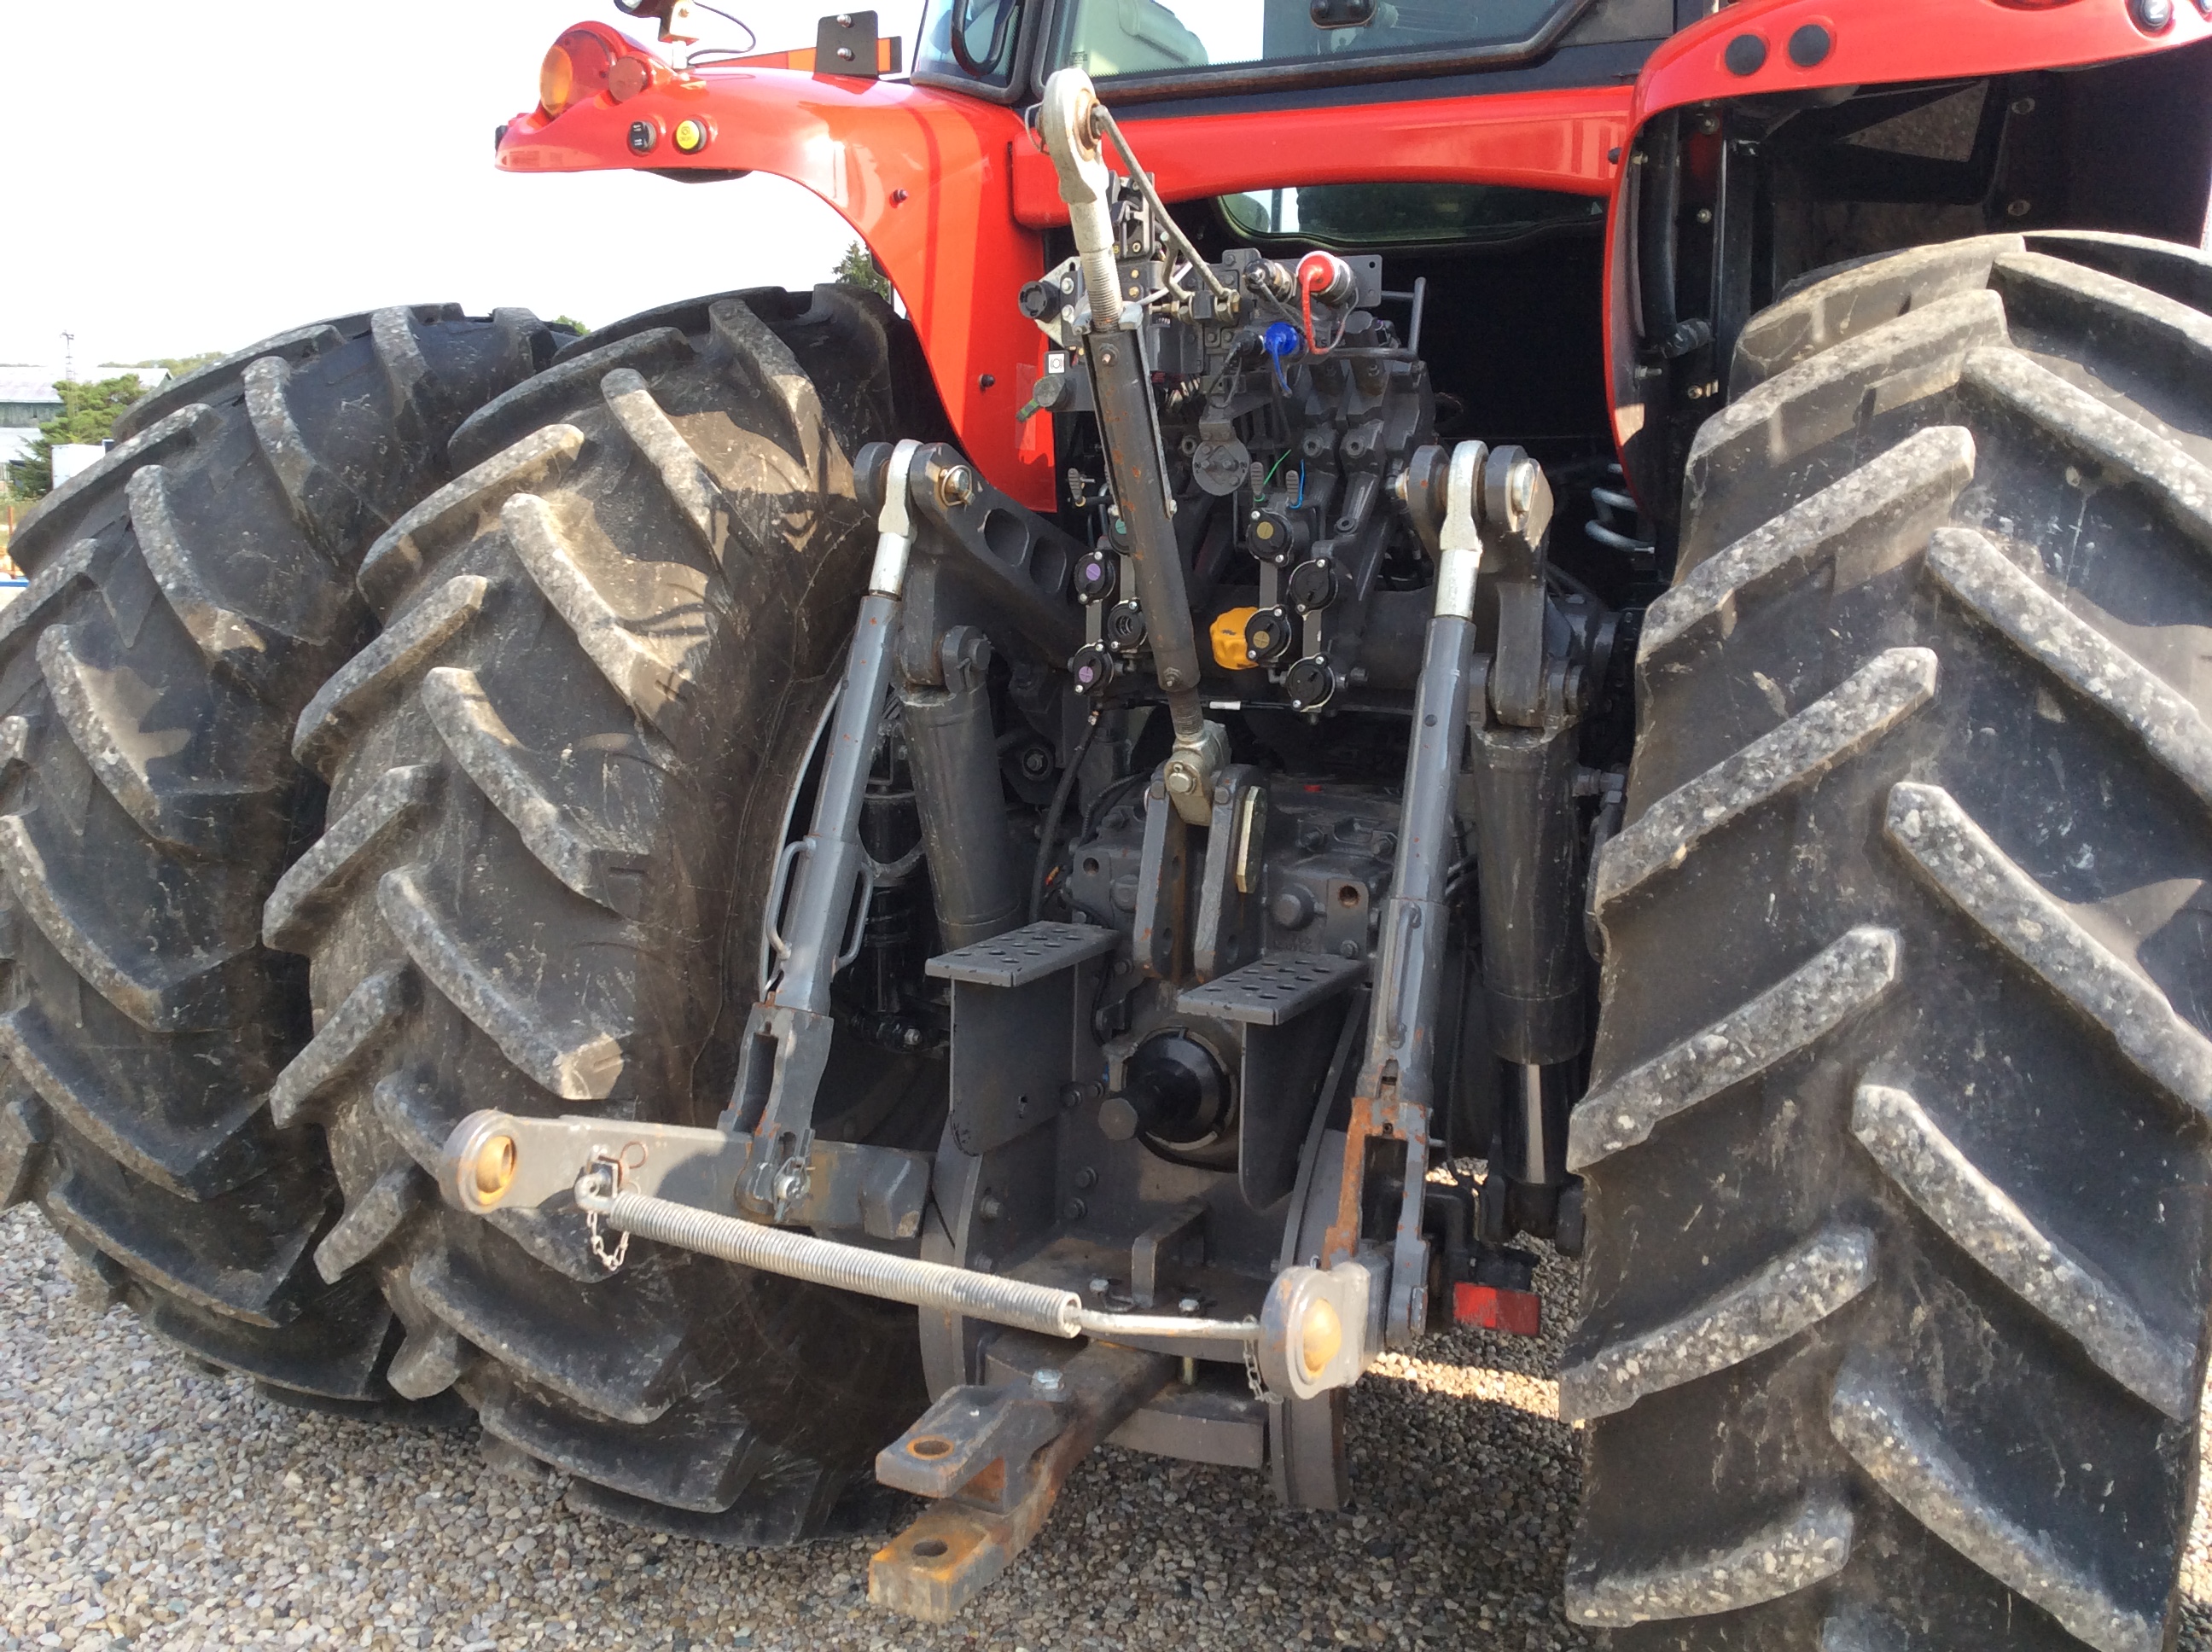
x=69 y=459
x=29 y=399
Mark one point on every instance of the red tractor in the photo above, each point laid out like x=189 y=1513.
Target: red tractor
x=798 y=892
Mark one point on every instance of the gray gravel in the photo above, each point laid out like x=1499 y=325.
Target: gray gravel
x=143 y=1501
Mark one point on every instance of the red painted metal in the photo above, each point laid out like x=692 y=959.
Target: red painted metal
x=923 y=177
x=950 y=194
x=1493 y=1308
x=1558 y=140
x=1878 y=41
x=1873 y=42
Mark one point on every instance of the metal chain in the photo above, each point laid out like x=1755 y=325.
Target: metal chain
x=611 y=1261
x=1258 y=1383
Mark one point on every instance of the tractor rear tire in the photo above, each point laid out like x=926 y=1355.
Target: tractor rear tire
x=186 y=597
x=1894 y=1311
x=559 y=782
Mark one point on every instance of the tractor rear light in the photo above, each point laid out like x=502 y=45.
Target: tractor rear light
x=576 y=68
x=1494 y=1308
x=556 y=81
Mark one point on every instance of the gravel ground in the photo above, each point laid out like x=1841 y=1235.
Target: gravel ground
x=146 y=1502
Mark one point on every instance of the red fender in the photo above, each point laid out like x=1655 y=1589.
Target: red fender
x=1870 y=42
x=923 y=177
x=950 y=196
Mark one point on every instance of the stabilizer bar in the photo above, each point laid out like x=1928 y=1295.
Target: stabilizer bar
x=1025 y=1307
x=843 y=1267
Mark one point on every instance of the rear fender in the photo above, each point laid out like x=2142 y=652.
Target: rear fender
x=2122 y=141
x=955 y=201
x=922 y=176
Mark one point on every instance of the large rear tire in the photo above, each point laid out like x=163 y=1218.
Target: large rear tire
x=186 y=597
x=1900 y=1194
x=560 y=777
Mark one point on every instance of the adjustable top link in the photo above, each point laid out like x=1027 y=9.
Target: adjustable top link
x=1074 y=121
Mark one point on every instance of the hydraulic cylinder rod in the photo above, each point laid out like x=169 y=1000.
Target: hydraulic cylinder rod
x=955 y=754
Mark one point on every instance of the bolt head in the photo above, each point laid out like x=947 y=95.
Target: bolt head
x=1189 y=1305
x=1100 y=1286
x=1047 y=1381
x=1521 y=487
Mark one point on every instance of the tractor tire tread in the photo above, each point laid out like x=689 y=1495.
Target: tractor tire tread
x=1899 y=1288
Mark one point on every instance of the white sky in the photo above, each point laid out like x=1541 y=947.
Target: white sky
x=189 y=175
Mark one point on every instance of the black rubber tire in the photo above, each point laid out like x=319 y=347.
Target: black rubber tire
x=559 y=780
x=186 y=597
x=1894 y=1309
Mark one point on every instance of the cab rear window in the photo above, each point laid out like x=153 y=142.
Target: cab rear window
x=1375 y=215
x=1106 y=38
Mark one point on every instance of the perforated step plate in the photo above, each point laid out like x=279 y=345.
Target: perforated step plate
x=1025 y=955
x=1277 y=989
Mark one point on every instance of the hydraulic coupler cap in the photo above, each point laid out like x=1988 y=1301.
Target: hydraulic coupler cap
x=1231 y=651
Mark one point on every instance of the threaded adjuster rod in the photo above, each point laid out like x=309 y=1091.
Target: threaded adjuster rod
x=1043 y=1308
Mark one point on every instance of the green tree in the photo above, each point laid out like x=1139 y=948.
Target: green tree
x=177 y=366
x=571 y=324
x=859 y=268
x=88 y=413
